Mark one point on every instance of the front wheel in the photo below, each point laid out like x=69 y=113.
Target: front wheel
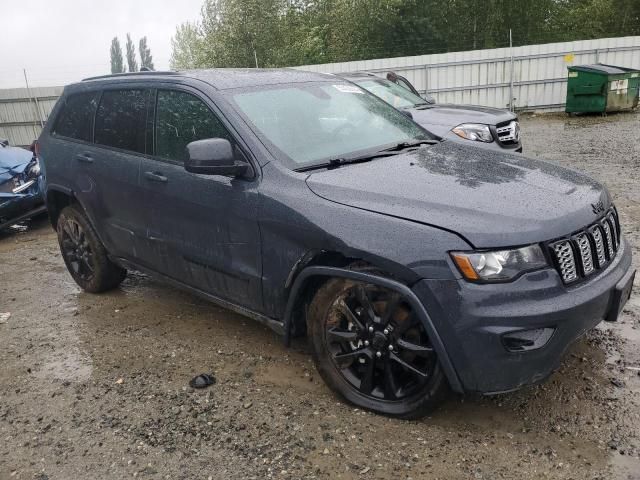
x=84 y=254
x=371 y=348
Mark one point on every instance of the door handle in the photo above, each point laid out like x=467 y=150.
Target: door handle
x=155 y=177
x=84 y=158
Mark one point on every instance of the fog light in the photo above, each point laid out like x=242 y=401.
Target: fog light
x=525 y=340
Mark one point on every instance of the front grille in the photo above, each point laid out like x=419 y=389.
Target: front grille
x=589 y=250
x=508 y=133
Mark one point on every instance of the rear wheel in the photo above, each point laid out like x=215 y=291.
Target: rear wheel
x=84 y=254
x=371 y=348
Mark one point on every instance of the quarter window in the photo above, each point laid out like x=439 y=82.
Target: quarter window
x=121 y=119
x=182 y=118
x=76 y=116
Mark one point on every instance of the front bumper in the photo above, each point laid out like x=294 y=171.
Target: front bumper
x=19 y=206
x=471 y=320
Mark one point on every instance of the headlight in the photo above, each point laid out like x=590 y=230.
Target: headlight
x=474 y=131
x=499 y=265
x=34 y=170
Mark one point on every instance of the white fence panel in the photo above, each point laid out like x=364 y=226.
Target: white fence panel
x=483 y=77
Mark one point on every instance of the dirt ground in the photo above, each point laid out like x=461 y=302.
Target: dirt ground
x=96 y=386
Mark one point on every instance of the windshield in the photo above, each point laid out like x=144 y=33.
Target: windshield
x=309 y=124
x=392 y=93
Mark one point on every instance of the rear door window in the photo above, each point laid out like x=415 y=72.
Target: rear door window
x=121 y=119
x=76 y=116
x=182 y=118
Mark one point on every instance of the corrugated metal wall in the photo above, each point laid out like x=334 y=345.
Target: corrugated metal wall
x=21 y=114
x=482 y=77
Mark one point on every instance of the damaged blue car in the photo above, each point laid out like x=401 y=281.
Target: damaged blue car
x=20 y=185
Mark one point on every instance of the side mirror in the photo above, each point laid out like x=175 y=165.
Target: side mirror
x=213 y=156
x=429 y=98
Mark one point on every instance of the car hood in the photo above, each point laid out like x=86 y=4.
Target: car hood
x=492 y=199
x=13 y=161
x=441 y=118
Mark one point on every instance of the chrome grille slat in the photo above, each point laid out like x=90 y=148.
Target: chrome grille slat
x=566 y=261
x=614 y=229
x=596 y=234
x=589 y=250
x=607 y=239
x=584 y=247
x=617 y=223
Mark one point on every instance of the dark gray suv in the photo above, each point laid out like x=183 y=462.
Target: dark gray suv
x=414 y=265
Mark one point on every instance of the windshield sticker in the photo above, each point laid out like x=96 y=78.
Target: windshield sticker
x=348 y=88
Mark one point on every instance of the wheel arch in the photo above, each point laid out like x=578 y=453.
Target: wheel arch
x=315 y=275
x=303 y=294
x=57 y=198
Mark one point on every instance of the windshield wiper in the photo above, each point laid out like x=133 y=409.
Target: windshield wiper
x=340 y=161
x=409 y=144
x=387 y=152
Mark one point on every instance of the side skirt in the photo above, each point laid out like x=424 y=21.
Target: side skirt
x=275 y=325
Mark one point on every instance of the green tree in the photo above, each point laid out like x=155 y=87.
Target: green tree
x=146 y=60
x=187 y=47
x=234 y=33
x=131 y=55
x=117 y=65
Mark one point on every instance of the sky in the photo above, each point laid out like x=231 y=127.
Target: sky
x=62 y=41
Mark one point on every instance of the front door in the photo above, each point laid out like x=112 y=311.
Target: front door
x=202 y=229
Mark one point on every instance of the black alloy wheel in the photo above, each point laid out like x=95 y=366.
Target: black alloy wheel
x=76 y=250
x=374 y=350
x=84 y=254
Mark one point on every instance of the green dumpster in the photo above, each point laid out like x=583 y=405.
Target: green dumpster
x=602 y=88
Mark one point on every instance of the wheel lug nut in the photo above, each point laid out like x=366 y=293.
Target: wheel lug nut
x=390 y=347
x=386 y=331
x=370 y=329
x=378 y=354
x=366 y=343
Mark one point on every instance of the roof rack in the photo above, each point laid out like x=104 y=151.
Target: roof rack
x=356 y=74
x=131 y=74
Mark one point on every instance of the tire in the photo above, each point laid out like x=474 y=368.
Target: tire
x=84 y=254
x=414 y=393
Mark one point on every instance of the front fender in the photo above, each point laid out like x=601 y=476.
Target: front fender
x=406 y=292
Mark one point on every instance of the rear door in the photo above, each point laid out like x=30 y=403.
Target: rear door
x=111 y=166
x=101 y=169
x=202 y=229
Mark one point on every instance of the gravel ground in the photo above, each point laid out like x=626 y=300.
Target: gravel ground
x=96 y=386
